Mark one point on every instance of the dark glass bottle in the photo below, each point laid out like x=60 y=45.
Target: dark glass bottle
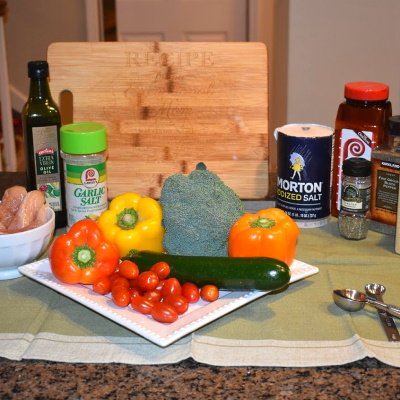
x=360 y=125
x=41 y=122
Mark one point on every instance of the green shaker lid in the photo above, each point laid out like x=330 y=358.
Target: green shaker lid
x=83 y=138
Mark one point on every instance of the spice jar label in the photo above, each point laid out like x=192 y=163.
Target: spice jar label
x=385 y=186
x=86 y=191
x=355 y=199
x=353 y=144
x=397 y=239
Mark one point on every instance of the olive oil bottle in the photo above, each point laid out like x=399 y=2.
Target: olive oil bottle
x=41 y=122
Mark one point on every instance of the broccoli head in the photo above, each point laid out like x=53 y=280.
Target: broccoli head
x=198 y=212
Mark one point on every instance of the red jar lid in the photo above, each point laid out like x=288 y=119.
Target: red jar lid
x=366 y=91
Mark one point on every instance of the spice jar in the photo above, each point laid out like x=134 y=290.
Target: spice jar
x=83 y=149
x=360 y=127
x=355 y=197
x=393 y=137
x=385 y=175
x=397 y=237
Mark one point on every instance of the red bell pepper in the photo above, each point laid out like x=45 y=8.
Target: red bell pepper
x=82 y=255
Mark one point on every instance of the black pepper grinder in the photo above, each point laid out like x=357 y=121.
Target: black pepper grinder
x=355 y=195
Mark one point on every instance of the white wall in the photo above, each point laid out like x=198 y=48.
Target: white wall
x=31 y=25
x=332 y=42
x=272 y=29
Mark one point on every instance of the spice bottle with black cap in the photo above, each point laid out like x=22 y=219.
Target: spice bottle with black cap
x=353 y=219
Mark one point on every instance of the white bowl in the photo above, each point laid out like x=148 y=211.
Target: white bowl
x=21 y=248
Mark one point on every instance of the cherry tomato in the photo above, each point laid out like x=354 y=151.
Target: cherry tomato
x=120 y=281
x=163 y=312
x=102 y=285
x=128 y=269
x=209 y=293
x=121 y=296
x=114 y=276
x=191 y=292
x=162 y=269
x=153 y=295
x=133 y=283
x=179 y=302
x=160 y=285
x=134 y=292
x=147 y=280
x=171 y=286
x=142 y=305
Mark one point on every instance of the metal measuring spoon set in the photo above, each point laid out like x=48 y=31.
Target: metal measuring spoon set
x=353 y=300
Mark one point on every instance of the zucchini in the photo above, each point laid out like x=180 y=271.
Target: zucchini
x=230 y=273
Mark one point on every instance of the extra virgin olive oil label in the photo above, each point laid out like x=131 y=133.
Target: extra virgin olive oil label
x=47 y=165
x=86 y=191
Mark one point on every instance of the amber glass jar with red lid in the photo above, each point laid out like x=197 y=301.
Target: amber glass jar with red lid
x=359 y=128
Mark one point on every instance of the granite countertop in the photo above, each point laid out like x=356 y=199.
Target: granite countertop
x=365 y=379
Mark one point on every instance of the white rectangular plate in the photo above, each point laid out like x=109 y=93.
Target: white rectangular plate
x=198 y=314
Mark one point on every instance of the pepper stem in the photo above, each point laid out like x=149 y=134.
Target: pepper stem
x=84 y=256
x=127 y=218
x=262 y=222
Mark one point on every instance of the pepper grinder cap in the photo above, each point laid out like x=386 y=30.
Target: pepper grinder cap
x=357 y=167
x=366 y=91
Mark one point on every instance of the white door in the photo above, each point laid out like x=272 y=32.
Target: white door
x=182 y=20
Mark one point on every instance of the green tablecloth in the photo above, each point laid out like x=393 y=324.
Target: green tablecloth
x=299 y=326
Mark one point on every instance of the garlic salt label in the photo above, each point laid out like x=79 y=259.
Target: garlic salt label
x=86 y=191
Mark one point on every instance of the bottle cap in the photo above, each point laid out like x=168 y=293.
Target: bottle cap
x=394 y=125
x=365 y=91
x=38 y=69
x=357 y=167
x=83 y=138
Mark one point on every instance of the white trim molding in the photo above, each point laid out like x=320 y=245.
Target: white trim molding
x=94 y=24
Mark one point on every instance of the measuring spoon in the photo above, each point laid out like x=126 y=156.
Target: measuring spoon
x=376 y=291
x=353 y=300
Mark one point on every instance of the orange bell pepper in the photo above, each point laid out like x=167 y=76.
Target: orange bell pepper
x=82 y=255
x=267 y=233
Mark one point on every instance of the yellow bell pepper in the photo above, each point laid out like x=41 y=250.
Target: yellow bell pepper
x=133 y=222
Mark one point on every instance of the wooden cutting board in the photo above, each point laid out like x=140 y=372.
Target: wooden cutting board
x=168 y=106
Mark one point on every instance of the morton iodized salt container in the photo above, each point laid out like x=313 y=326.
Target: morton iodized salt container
x=304 y=172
